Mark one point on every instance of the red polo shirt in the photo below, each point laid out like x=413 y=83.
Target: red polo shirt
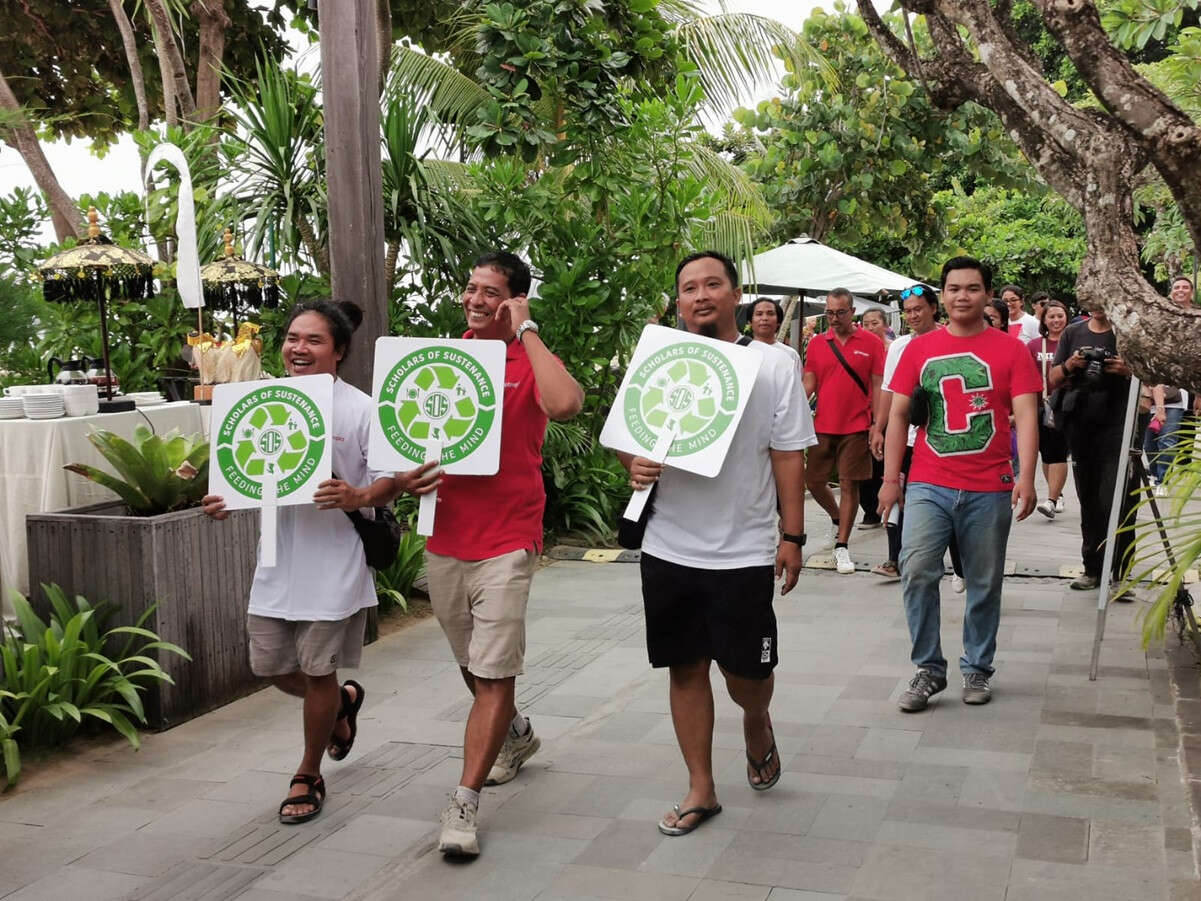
x=480 y=517
x=842 y=408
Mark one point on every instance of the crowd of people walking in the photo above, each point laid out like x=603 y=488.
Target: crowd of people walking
x=934 y=434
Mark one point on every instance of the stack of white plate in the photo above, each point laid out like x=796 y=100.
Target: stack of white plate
x=146 y=398
x=81 y=400
x=11 y=408
x=43 y=406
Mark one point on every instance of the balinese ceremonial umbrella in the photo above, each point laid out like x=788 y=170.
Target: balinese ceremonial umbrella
x=232 y=283
x=98 y=270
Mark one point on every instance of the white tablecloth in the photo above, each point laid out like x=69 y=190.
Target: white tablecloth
x=32 y=478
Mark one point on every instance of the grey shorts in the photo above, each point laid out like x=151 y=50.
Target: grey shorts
x=481 y=606
x=316 y=648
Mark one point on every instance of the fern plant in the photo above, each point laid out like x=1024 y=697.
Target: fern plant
x=59 y=675
x=155 y=474
x=394 y=585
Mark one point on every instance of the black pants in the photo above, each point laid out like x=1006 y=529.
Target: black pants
x=869 y=492
x=1096 y=453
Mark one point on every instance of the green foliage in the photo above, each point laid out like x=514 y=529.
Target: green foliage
x=1036 y=241
x=394 y=585
x=585 y=485
x=66 y=63
x=21 y=215
x=857 y=164
x=155 y=474
x=59 y=675
x=1133 y=24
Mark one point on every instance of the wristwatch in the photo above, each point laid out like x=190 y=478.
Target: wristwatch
x=795 y=539
x=528 y=326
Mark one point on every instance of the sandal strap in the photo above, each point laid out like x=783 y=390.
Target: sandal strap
x=317 y=783
x=310 y=799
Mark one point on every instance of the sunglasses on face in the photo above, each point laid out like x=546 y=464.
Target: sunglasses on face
x=915 y=291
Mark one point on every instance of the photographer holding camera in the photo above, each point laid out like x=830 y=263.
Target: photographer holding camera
x=1092 y=382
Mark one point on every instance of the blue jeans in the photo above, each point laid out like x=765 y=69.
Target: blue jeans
x=1161 y=448
x=980 y=521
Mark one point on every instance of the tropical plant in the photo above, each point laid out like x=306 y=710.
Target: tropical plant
x=394 y=585
x=57 y=675
x=157 y=473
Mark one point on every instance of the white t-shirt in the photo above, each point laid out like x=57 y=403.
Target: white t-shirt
x=890 y=367
x=320 y=571
x=787 y=349
x=1029 y=328
x=729 y=521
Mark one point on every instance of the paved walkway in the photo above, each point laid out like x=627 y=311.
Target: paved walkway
x=1060 y=788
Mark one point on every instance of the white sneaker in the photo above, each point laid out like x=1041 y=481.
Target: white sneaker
x=831 y=537
x=842 y=561
x=459 y=836
x=1046 y=508
x=958 y=585
x=1059 y=504
x=513 y=753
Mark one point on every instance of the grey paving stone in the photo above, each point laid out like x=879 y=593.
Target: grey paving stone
x=322 y=872
x=756 y=869
x=79 y=882
x=889 y=744
x=848 y=817
x=382 y=836
x=932 y=782
x=600 y=882
x=993 y=790
x=946 y=838
x=146 y=855
x=788 y=894
x=198 y=881
x=716 y=890
x=690 y=855
x=906 y=873
x=1124 y=845
x=1060 y=839
x=906 y=810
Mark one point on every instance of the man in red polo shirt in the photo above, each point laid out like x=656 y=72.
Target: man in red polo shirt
x=844 y=367
x=486 y=541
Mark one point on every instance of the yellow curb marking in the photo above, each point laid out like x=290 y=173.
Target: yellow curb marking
x=602 y=555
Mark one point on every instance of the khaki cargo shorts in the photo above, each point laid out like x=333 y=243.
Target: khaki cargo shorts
x=315 y=648
x=481 y=606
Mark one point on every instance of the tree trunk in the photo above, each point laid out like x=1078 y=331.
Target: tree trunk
x=383 y=37
x=213 y=23
x=318 y=251
x=1091 y=157
x=19 y=134
x=136 y=77
x=174 y=60
x=391 y=256
x=170 y=106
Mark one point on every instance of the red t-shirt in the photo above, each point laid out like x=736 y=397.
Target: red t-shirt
x=480 y=517
x=842 y=408
x=971 y=383
x=1040 y=358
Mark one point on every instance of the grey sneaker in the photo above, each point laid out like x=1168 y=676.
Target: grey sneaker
x=975 y=689
x=1059 y=505
x=458 y=836
x=922 y=687
x=513 y=753
x=1046 y=508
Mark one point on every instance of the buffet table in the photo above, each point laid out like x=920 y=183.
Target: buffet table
x=32 y=478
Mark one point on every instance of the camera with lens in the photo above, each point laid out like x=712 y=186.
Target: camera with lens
x=1094 y=364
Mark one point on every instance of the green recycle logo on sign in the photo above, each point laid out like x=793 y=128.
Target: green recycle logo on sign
x=275 y=427
x=689 y=385
x=437 y=393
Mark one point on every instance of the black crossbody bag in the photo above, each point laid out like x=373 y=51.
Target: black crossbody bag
x=847 y=366
x=380 y=536
x=630 y=533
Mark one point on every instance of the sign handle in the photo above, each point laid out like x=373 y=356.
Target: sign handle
x=429 y=502
x=658 y=454
x=267 y=531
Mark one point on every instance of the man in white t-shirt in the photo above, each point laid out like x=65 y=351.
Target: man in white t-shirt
x=1022 y=325
x=712 y=550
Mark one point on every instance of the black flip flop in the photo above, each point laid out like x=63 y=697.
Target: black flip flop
x=702 y=813
x=314 y=796
x=761 y=767
x=350 y=712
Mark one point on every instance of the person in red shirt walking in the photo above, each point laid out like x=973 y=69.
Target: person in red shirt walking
x=486 y=541
x=844 y=368
x=959 y=385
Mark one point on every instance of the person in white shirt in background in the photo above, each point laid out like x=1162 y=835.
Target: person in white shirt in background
x=1021 y=324
x=766 y=316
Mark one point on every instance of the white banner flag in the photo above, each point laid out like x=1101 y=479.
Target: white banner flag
x=187 y=260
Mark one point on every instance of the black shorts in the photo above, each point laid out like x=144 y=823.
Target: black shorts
x=1052 y=443
x=693 y=615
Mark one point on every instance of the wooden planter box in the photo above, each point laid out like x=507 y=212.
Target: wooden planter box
x=198 y=571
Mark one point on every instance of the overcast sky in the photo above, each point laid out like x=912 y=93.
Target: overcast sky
x=80 y=172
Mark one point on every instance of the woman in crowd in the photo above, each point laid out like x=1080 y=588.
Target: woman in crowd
x=1052 y=443
x=308 y=612
x=766 y=316
x=876 y=323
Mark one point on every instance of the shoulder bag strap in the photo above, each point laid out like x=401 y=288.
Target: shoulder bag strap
x=1043 y=357
x=845 y=365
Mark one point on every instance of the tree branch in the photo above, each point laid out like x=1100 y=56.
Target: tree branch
x=176 y=70
x=213 y=23
x=1170 y=138
x=136 y=77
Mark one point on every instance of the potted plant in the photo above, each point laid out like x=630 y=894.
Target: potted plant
x=154 y=546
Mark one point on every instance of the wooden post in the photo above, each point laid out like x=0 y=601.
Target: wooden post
x=350 y=67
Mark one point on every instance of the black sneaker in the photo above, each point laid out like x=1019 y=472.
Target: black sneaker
x=1086 y=583
x=922 y=687
x=976 y=689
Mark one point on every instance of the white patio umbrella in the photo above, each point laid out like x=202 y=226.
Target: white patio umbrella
x=806 y=266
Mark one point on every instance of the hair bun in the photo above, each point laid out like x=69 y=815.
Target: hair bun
x=353 y=312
